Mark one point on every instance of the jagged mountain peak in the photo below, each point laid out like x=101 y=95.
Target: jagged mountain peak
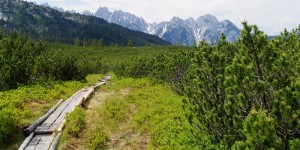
x=231 y=32
x=177 y=30
x=207 y=19
x=190 y=19
x=124 y=19
x=226 y=23
x=103 y=9
x=176 y=19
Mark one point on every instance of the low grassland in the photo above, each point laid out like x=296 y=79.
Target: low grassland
x=131 y=114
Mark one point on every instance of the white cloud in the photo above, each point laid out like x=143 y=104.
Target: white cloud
x=272 y=16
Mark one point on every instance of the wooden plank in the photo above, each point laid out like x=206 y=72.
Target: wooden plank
x=30 y=147
x=50 y=122
x=102 y=82
x=45 y=142
x=68 y=109
x=88 y=94
x=55 y=141
x=26 y=141
x=47 y=123
x=65 y=111
x=60 y=109
x=34 y=142
x=34 y=125
x=42 y=132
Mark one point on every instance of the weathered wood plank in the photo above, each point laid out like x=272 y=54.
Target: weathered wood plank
x=55 y=141
x=45 y=142
x=30 y=147
x=26 y=141
x=73 y=101
x=47 y=123
x=34 y=142
x=54 y=116
x=59 y=110
x=34 y=125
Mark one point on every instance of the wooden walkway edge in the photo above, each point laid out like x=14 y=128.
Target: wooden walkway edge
x=44 y=133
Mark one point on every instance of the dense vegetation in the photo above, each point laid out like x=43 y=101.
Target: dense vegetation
x=106 y=58
x=242 y=95
x=48 y=24
x=24 y=62
x=247 y=95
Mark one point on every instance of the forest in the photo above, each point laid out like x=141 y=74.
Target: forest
x=241 y=95
x=46 y=24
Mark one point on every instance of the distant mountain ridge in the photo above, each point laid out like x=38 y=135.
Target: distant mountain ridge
x=177 y=30
x=43 y=22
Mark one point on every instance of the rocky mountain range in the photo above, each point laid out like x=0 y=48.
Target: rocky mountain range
x=57 y=25
x=176 y=31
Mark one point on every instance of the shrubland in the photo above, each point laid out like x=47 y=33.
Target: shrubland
x=24 y=62
x=242 y=95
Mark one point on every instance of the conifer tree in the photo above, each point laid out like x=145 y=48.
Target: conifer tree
x=227 y=82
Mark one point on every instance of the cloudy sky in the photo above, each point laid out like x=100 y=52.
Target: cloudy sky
x=272 y=16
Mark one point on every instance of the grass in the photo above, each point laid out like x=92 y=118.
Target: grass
x=134 y=114
x=20 y=107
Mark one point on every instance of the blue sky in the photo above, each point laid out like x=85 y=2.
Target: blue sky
x=271 y=16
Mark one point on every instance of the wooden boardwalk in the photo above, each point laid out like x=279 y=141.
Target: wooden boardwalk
x=45 y=133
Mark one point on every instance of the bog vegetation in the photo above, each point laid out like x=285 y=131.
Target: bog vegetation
x=242 y=95
x=137 y=114
x=24 y=62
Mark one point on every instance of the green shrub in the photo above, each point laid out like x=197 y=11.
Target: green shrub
x=10 y=121
x=294 y=144
x=97 y=138
x=74 y=122
x=24 y=61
